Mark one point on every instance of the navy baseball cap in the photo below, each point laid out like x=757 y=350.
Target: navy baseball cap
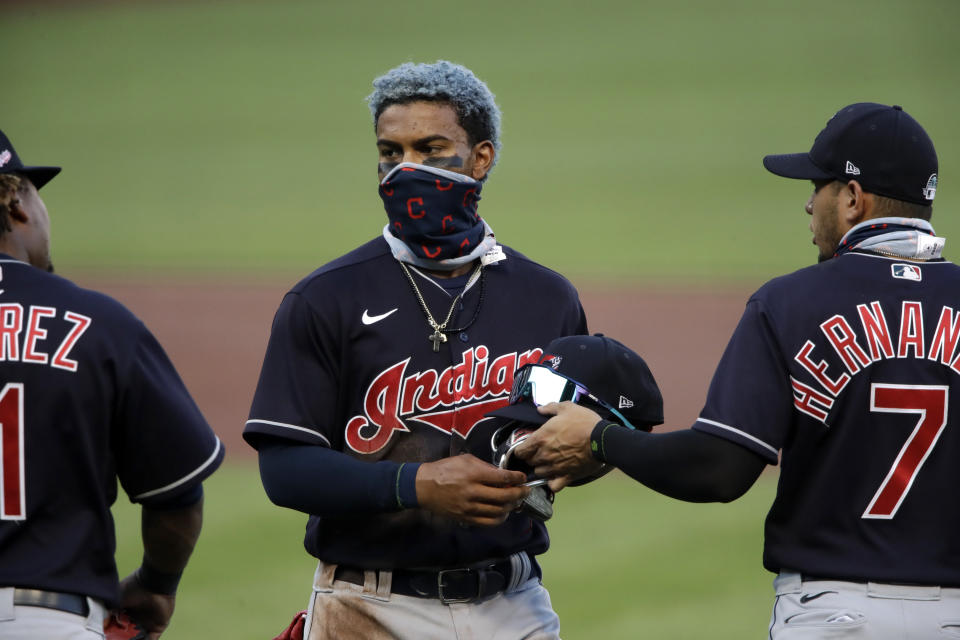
x=879 y=146
x=10 y=163
x=609 y=370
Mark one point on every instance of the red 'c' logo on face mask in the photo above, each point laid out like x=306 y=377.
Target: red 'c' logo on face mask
x=410 y=204
x=440 y=187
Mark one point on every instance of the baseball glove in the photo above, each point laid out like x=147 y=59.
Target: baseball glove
x=295 y=630
x=120 y=626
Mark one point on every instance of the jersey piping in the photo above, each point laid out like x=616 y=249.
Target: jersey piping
x=290 y=426
x=184 y=479
x=740 y=433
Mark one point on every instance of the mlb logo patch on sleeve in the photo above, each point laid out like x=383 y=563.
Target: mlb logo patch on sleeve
x=906 y=272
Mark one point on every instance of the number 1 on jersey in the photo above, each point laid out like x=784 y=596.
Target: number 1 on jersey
x=930 y=402
x=13 y=494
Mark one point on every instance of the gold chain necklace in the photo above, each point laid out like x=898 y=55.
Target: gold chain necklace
x=438 y=337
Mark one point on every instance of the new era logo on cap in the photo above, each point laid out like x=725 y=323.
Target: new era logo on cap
x=852 y=169
x=5 y=157
x=625 y=403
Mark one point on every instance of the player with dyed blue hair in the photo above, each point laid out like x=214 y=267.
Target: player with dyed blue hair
x=370 y=413
x=446 y=82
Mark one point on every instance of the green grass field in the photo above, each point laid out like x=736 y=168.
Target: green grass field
x=625 y=563
x=233 y=135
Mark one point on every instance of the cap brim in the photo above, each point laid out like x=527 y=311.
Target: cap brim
x=39 y=176
x=522 y=411
x=795 y=165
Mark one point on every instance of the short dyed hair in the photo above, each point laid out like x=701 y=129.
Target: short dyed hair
x=442 y=81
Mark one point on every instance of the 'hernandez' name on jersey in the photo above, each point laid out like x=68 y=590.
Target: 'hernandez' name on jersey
x=874 y=372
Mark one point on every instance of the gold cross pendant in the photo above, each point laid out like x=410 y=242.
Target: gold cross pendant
x=436 y=338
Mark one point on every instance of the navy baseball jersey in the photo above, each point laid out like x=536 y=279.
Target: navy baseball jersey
x=349 y=366
x=87 y=396
x=852 y=369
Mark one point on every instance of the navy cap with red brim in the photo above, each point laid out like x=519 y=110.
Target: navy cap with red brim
x=795 y=165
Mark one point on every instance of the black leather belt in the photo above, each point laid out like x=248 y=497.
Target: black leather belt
x=470 y=584
x=69 y=602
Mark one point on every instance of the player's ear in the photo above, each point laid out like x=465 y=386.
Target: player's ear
x=483 y=154
x=853 y=203
x=16 y=211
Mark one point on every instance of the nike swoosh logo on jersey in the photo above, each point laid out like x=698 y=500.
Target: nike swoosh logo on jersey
x=369 y=319
x=807 y=597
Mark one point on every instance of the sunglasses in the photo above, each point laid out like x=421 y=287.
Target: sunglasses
x=542 y=385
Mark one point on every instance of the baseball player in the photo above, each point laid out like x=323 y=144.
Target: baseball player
x=847 y=371
x=369 y=412
x=87 y=397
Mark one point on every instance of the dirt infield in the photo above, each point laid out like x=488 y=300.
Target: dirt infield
x=216 y=331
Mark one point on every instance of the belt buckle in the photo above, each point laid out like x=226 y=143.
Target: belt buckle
x=481 y=579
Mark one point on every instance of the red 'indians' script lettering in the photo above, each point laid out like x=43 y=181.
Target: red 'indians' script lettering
x=474 y=386
x=23 y=335
x=907 y=340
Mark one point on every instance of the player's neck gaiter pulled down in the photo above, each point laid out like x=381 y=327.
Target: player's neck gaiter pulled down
x=433 y=213
x=902 y=237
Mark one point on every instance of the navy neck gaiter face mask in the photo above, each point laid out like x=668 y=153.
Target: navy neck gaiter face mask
x=433 y=211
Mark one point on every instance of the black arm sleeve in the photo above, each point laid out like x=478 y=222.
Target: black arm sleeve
x=324 y=482
x=687 y=465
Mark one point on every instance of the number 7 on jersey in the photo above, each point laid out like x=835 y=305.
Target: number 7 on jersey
x=12 y=485
x=930 y=402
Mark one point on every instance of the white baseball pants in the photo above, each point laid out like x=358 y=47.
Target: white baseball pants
x=813 y=609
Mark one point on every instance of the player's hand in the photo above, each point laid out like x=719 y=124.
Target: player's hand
x=470 y=490
x=560 y=449
x=152 y=610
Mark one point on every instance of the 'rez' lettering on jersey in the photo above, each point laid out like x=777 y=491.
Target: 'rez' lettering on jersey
x=89 y=404
x=24 y=335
